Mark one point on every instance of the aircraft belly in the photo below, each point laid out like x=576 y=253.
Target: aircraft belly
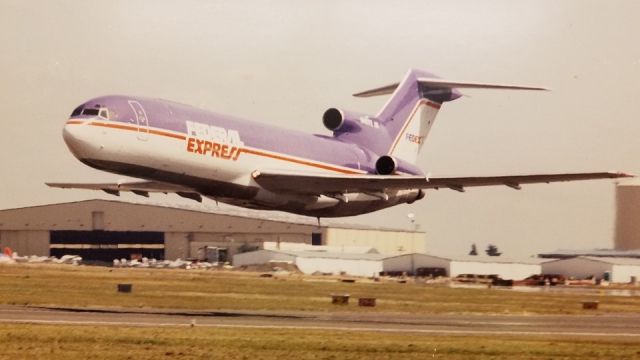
x=349 y=204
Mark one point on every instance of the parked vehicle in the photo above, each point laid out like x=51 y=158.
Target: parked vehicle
x=431 y=272
x=541 y=280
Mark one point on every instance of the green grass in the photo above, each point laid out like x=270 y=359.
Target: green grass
x=228 y=290
x=110 y=342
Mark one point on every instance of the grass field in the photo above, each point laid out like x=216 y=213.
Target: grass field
x=229 y=290
x=110 y=342
x=84 y=286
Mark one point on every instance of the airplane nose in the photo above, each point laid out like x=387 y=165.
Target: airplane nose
x=76 y=136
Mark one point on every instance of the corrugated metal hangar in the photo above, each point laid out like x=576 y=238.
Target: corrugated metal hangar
x=103 y=230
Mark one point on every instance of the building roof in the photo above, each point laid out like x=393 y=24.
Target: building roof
x=373 y=257
x=328 y=255
x=287 y=246
x=603 y=259
x=614 y=260
x=628 y=182
x=227 y=210
x=569 y=253
x=485 y=259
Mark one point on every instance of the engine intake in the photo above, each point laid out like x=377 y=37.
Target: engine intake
x=341 y=121
x=386 y=165
x=333 y=119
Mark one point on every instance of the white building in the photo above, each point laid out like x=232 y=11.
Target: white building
x=454 y=266
x=310 y=262
x=620 y=270
x=370 y=264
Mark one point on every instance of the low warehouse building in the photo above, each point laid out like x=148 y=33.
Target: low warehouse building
x=614 y=269
x=310 y=262
x=368 y=264
x=103 y=230
x=454 y=266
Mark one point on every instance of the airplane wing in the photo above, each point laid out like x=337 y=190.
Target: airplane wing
x=142 y=188
x=329 y=183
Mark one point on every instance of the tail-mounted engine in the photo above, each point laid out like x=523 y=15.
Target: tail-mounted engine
x=386 y=165
x=338 y=120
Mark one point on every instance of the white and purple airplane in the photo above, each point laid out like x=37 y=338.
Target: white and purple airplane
x=367 y=164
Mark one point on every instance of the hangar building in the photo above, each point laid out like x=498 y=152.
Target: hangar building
x=103 y=230
x=309 y=262
x=456 y=265
x=370 y=264
x=617 y=270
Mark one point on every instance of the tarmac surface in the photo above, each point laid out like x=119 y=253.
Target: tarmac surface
x=598 y=325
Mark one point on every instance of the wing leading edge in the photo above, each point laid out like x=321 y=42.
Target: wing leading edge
x=328 y=183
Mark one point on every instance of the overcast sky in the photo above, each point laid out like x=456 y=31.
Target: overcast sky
x=285 y=62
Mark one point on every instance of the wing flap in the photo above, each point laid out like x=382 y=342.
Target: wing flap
x=142 y=188
x=311 y=183
x=330 y=184
x=514 y=181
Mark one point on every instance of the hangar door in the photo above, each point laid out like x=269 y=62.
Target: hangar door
x=108 y=245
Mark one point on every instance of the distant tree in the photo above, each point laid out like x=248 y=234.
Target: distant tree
x=492 y=250
x=474 y=251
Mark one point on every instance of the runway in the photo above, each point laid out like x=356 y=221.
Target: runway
x=600 y=325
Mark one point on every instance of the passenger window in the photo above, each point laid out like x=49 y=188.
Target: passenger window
x=104 y=113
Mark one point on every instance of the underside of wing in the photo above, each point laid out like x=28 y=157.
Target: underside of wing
x=142 y=188
x=312 y=183
x=329 y=183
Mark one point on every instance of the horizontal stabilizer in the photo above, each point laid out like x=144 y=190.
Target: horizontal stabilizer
x=445 y=84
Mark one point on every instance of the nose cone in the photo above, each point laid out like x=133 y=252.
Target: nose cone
x=77 y=137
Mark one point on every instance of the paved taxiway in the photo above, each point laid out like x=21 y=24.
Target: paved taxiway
x=619 y=325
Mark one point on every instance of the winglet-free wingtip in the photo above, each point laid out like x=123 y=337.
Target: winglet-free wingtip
x=621 y=174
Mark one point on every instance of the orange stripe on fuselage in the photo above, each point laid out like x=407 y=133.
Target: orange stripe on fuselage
x=248 y=151
x=298 y=161
x=138 y=129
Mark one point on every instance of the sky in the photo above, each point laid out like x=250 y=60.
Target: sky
x=286 y=62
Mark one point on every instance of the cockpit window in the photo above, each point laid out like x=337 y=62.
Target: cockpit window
x=102 y=112
x=92 y=112
x=77 y=111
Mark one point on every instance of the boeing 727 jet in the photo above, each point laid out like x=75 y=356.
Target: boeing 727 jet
x=367 y=164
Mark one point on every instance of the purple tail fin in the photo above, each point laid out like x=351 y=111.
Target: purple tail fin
x=402 y=126
x=408 y=115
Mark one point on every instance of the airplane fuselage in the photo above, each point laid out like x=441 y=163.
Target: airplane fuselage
x=215 y=155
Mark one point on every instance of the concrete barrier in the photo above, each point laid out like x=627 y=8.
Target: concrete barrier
x=367 y=302
x=590 y=305
x=125 y=288
x=340 y=299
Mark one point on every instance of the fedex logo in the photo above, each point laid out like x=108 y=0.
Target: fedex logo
x=213 y=133
x=214 y=141
x=416 y=139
